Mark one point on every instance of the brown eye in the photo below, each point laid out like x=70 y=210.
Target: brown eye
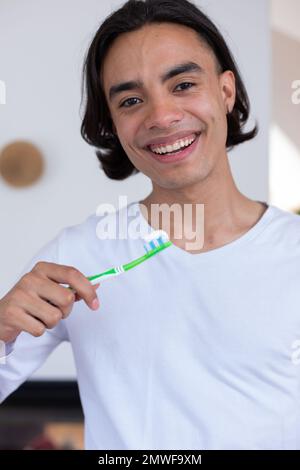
x=128 y=103
x=185 y=85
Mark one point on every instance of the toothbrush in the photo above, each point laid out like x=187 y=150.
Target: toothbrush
x=155 y=242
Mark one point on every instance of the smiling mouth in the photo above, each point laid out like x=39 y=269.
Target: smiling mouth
x=177 y=147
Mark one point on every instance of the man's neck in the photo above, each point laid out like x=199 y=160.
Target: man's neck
x=228 y=214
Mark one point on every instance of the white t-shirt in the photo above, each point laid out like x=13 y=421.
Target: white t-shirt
x=186 y=351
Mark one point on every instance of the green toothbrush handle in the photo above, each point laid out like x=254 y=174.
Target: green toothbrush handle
x=126 y=267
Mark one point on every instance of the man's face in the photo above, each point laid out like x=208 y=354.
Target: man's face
x=163 y=109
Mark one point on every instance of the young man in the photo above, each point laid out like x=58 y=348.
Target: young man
x=198 y=348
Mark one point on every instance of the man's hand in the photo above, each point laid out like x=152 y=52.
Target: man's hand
x=38 y=301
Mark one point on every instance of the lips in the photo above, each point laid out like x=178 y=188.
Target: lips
x=183 y=154
x=170 y=140
x=176 y=147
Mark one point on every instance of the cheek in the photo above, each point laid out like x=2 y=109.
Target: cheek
x=138 y=161
x=213 y=116
x=127 y=136
x=126 y=130
x=202 y=107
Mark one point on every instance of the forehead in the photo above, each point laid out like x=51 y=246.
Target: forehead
x=154 y=47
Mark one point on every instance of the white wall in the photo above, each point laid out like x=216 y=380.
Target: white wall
x=42 y=45
x=285 y=135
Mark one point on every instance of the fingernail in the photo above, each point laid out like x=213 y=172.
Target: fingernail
x=95 y=304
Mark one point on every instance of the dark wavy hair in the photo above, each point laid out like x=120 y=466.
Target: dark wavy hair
x=97 y=124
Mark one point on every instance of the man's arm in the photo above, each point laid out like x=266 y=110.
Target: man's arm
x=32 y=314
x=20 y=357
x=5 y=350
x=23 y=357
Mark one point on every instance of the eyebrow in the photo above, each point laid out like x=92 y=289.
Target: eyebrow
x=173 y=72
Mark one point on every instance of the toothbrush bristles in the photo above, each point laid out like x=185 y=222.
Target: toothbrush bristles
x=155 y=239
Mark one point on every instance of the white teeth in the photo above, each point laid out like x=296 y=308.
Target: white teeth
x=172 y=148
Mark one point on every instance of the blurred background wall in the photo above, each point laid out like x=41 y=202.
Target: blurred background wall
x=42 y=46
x=285 y=122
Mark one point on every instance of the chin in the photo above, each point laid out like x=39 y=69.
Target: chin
x=175 y=183
x=181 y=179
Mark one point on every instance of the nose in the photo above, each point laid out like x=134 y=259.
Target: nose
x=162 y=115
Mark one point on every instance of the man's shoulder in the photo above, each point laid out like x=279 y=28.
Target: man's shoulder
x=285 y=217
x=103 y=221
x=285 y=224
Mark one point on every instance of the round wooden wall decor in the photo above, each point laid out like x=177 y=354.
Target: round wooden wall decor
x=21 y=164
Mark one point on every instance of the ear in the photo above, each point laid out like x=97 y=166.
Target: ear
x=228 y=90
